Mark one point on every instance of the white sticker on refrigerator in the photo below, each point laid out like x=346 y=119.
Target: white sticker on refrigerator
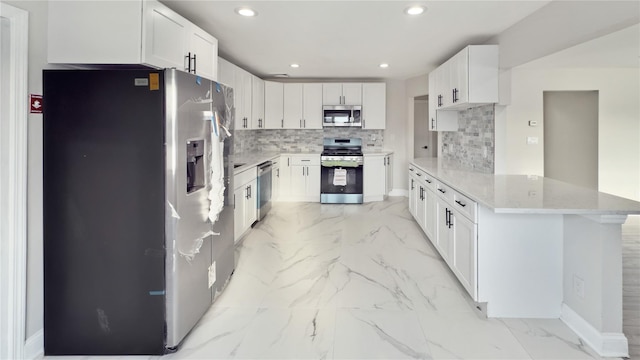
x=141 y=82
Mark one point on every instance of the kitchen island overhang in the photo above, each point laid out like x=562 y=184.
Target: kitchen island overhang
x=544 y=249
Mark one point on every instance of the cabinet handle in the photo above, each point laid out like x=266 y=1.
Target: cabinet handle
x=188 y=66
x=234 y=201
x=442 y=191
x=432 y=123
x=282 y=123
x=304 y=122
x=418 y=174
x=364 y=123
x=428 y=181
x=410 y=169
x=453 y=95
x=288 y=161
x=277 y=172
x=460 y=203
x=412 y=187
x=450 y=218
x=446 y=216
x=194 y=63
x=439 y=100
x=301 y=123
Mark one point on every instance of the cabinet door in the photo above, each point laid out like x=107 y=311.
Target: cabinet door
x=226 y=74
x=292 y=106
x=433 y=100
x=273 y=105
x=164 y=34
x=412 y=195
x=420 y=204
x=460 y=76
x=465 y=252
x=331 y=94
x=275 y=182
x=285 y=177
x=445 y=236
x=239 y=201
x=251 y=207
x=238 y=98
x=444 y=84
x=312 y=192
x=430 y=215
x=374 y=105
x=388 y=171
x=298 y=181
x=373 y=186
x=247 y=85
x=352 y=93
x=257 y=102
x=205 y=49
x=111 y=32
x=312 y=106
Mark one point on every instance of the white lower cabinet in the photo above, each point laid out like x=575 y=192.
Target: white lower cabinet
x=449 y=220
x=275 y=179
x=300 y=178
x=245 y=201
x=377 y=176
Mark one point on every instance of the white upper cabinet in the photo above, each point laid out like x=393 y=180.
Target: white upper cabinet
x=243 y=86
x=302 y=106
x=226 y=72
x=467 y=79
x=128 y=32
x=342 y=94
x=439 y=120
x=273 y=105
x=293 y=106
x=257 y=103
x=312 y=105
x=374 y=105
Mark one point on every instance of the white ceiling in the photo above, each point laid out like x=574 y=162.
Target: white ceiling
x=349 y=39
x=620 y=49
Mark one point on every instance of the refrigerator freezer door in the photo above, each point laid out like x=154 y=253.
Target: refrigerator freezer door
x=104 y=212
x=188 y=231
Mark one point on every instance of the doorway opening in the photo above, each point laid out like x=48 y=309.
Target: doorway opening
x=571 y=137
x=425 y=142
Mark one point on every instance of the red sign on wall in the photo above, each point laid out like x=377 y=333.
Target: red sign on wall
x=36 y=104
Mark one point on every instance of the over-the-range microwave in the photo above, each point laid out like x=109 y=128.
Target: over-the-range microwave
x=342 y=115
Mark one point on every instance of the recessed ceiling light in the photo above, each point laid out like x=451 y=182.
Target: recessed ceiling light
x=246 y=11
x=414 y=10
x=295 y=65
x=384 y=65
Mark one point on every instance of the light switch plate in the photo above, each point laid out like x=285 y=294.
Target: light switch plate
x=532 y=140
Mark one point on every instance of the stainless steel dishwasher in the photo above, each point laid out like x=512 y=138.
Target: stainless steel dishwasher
x=264 y=189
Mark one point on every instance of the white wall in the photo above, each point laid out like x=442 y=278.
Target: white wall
x=415 y=86
x=37 y=61
x=619 y=122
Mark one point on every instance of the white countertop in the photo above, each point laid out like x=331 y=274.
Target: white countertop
x=525 y=193
x=376 y=151
x=254 y=159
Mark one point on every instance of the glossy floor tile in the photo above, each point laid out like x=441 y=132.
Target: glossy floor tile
x=357 y=282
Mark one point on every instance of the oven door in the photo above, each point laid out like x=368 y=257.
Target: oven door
x=341 y=184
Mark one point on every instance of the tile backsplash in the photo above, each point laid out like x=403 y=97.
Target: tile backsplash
x=473 y=145
x=300 y=140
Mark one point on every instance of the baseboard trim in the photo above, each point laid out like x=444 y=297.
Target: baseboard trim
x=34 y=346
x=399 y=192
x=605 y=344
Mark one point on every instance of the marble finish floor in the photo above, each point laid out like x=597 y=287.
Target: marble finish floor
x=357 y=282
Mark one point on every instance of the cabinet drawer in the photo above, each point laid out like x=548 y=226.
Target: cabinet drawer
x=305 y=160
x=245 y=177
x=444 y=191
x=465 y=206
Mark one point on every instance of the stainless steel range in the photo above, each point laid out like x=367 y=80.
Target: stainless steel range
x=341 y=174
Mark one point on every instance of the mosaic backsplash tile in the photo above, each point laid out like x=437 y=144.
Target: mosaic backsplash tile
x=300 y=140
x=473 y=145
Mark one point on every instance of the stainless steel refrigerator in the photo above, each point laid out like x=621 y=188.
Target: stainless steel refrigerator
x=138 y=208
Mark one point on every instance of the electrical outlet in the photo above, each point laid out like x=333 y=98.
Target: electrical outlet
x=212 y=274
x=578 y=286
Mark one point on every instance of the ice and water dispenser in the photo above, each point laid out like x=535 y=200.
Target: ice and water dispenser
x=195 y=165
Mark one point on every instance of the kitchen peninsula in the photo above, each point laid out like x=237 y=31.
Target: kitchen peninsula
x=528 y=246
